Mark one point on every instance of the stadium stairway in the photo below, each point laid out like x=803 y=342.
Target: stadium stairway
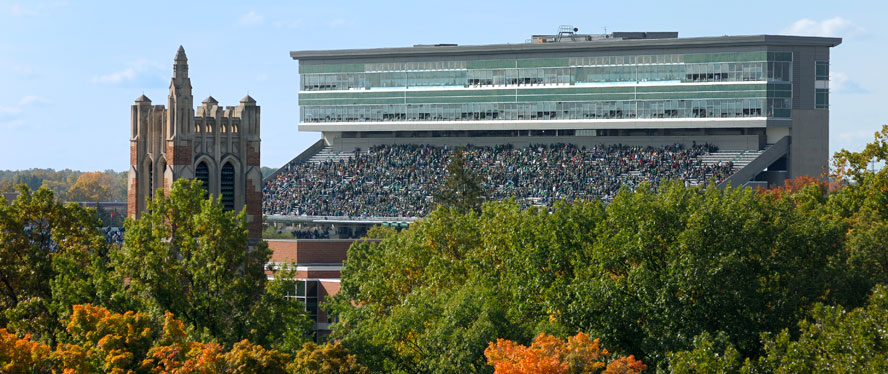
x=739 y=158
x=750 y=164
x=327 y=154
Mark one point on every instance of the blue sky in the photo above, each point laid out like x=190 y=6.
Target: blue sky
x=69 y=71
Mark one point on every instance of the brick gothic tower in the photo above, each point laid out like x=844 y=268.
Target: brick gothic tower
x=217 y=145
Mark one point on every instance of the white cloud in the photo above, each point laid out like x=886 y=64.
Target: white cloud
x=31 y=10
x=9 y=110
x=33 y=99
x=289 y=24
x=131 y=72
x=836 y=26
x=839 y=82
x=251 y=19
x=116 y=77
x=20 y=11
x=29 y=100
x=11 y=113
x=262 y=77
x=13 y=124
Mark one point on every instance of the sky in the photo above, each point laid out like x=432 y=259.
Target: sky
x=70 y=70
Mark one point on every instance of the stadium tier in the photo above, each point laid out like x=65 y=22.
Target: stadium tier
x=399 y=180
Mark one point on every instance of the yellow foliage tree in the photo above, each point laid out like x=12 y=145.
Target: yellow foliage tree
x=326 y=359
x=92 y=186
x=21 y=355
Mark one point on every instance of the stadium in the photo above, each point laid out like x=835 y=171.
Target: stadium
x=560 y=117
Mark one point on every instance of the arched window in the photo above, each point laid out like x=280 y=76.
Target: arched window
x=202 y=173
x=150 y=180
x=160 y=172
x=227 y=184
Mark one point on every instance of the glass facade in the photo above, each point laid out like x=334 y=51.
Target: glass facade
x=713 y=85
x=821 y=98
x=821 y=70
x=821 y=91
x=306 y=292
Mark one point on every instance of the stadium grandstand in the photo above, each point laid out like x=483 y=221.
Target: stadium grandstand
x=559 y=117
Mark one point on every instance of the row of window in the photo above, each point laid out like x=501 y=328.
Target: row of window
x=209 y=127
x=402 y=66
x=687 y=73
x=717 y=108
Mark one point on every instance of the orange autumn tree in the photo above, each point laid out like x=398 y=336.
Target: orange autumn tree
x=798 y=184
x=548 y=354
x=22 y=355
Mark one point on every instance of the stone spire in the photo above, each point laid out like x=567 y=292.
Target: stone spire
x=180 y=112
x=180 y=66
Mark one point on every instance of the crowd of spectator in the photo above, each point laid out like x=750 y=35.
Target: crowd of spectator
x=311 y=233
x=399 y=180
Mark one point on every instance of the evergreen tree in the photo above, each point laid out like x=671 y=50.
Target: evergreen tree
x=462 y=190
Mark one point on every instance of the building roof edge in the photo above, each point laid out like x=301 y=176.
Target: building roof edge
x=489 y=49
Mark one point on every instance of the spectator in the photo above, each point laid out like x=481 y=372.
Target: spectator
x=398 y=180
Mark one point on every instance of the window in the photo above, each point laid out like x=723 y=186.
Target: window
x=227 y=186
x=150 y=180
x=202 y=173
x=821 y=71
x=306 y=291
x=821 y=98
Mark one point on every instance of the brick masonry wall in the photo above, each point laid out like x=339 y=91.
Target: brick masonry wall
x=132 y=198
x=179 y=154
x=134 y=156
x=253 y=154
x=253 y=206
x=309 y=252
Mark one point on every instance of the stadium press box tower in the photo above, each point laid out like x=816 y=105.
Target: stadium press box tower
x=764 y=97
x=217 y=145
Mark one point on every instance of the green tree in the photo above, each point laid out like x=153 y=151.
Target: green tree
x=831 y=339
x=52 y=256
x=710 y=355
x=670 y=265
x=456 y=281
x=188 y=256
x=462 y=190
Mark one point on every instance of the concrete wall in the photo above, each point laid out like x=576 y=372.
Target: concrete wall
x=809 y=148
x=553 y=124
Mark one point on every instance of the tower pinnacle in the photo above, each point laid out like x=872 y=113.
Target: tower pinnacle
x=180 y=66
x=180 y=54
